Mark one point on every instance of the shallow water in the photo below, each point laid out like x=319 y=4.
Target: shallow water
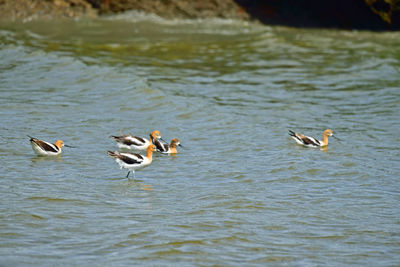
x=241 y=192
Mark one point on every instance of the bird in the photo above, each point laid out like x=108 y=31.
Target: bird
x=310 y=141
x=133 y=161
x=134 y=142
x=44 y=148
x=159 y=143
x=171 y=148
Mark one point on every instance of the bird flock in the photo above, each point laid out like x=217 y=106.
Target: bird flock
x=155 y=143
x=126 y=160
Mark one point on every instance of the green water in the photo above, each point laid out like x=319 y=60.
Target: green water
x=241 y=192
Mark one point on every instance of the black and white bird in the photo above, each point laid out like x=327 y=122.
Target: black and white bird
x=44 y=148
x=132 y=161
x=134 y=142
x=172 y=147
x=161 y=145
x=311 y=141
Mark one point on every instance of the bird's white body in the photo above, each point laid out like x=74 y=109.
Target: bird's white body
x=133 y=161
x=171 y=148
x=134 y=142
x=311 y=141
x=161 y=145
x=43 y=148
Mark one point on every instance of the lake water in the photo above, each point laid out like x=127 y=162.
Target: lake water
x=241 y=192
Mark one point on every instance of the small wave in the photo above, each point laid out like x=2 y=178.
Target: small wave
x=138 y=16
x=199 y=25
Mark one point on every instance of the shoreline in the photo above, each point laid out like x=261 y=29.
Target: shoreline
x=341 y=14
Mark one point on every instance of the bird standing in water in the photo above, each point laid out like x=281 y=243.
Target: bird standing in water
x=133 y=161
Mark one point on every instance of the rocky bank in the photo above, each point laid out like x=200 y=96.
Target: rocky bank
x=348 y=14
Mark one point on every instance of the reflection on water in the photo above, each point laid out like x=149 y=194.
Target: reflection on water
x=324 y=148
x=241 y=191
x=36 y=159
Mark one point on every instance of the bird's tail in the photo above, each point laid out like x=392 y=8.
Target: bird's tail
x=291 y=133
x=117 y=138
x=113 y=154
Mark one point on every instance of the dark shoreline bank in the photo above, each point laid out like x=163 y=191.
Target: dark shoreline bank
x=375 y=15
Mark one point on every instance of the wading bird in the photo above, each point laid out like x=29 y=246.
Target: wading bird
x=132 y=161
x=44 y=148
x=134 y=142
x=311 y=141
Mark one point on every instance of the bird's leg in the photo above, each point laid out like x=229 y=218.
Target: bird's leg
x=128 y=174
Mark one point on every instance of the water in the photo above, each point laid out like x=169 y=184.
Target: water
x=241 y=192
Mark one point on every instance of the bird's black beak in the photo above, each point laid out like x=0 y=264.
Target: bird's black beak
x=337 y=138
x=70 y=146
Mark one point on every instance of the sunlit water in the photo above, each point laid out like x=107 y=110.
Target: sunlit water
x=241 y=192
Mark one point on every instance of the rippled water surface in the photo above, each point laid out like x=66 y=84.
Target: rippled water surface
x=241 y=192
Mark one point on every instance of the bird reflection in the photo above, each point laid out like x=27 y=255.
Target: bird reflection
x=37 y=159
